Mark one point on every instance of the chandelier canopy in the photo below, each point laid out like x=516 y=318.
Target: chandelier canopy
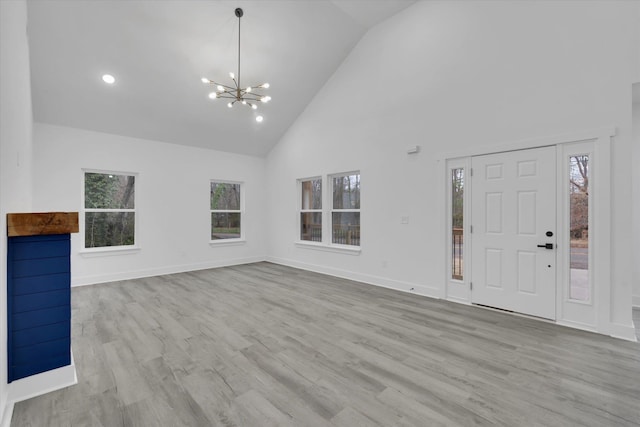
x=249 y=95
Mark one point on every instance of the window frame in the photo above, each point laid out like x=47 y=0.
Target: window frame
x=327 y=216
x=300 y=182
x=450 y=229
x=569 y=151
x=457 y=289
x=332 y=210
x=241 y=211
x=136 y=215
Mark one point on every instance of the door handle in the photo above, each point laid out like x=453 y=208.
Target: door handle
x=546 y=246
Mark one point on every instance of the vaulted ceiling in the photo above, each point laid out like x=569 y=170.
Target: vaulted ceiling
x=159 y=50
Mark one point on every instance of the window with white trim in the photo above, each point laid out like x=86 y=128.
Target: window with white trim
x=311 y=210
x=109 y=209
x=227 y=207
x=579 y=220
x=457 y=223
x=345 y=209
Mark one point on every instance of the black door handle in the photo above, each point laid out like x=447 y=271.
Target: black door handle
x=546 y=246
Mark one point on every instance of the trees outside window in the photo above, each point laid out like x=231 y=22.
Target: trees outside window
x=345 y=212
x=339 y=206
x=109 y=209
x=457 y=223
x=579 y=176
x=579 y=196
x=311 y=210
x=226 y=210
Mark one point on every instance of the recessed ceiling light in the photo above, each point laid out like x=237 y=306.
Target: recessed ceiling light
x=259 y=119
x=109 y=79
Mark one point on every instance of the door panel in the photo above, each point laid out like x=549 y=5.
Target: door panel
x=513 y=207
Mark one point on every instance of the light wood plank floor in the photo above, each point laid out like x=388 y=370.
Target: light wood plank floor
x=267 y=345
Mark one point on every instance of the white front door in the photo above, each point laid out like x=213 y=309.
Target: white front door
x=513 y=213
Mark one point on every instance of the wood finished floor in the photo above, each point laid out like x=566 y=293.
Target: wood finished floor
x=267 y=345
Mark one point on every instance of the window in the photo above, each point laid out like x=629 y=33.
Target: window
x=339 y=207
x=226 y=210
x=457 y=223
x=579 y=227
x=345 y=212
x=311 y=210
x=109 y=209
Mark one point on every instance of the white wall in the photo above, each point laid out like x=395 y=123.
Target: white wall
x=172 y=199
x=15 y=147
x=453 y=76
x=636 y=194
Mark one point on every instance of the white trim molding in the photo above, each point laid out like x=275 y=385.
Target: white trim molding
x=138 y=274
x=383 y=282
x=36 y=385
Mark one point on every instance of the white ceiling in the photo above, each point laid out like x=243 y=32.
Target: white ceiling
x=159 y=50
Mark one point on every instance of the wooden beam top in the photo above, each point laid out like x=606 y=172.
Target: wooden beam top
x=34 y=224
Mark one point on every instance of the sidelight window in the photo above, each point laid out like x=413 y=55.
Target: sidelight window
x=579 y=220
x=457 y=223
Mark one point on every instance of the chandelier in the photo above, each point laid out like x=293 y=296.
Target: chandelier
x=249 y=96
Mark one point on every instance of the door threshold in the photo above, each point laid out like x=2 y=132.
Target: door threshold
x=515 y=313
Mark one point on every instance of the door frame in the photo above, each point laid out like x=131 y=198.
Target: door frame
x=595 y=316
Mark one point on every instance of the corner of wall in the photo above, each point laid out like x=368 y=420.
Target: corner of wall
x=16 y=152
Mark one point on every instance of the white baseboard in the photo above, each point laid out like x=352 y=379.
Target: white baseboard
x=625 y=332
x=138 y=274
x=413 y=288
x=7 y=414
x=458 y=300
x=636 y=301
x=36 y=385
x=577 y=325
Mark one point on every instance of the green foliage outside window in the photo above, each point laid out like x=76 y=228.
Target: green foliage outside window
x=225 y=211
x=109 y=217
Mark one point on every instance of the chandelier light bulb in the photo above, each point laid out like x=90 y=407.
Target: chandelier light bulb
x=254 y=106
x=233 y=76
x=244 y=102
x=220 y=88
x=248 y=89
x=109 y=79
x=205 y=80
x=230 y=105
x=259 y=119
x=266 y=85
x=213 y=95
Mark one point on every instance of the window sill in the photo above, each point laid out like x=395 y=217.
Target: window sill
x=109 y=251
x=344 y=249
x=227 y=242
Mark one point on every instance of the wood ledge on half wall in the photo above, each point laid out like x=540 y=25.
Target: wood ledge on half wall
x=41 y=223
